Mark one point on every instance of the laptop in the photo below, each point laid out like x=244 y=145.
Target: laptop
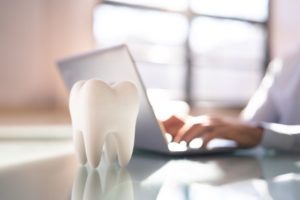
x=115 y=64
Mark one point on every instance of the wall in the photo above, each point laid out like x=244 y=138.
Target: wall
x=285 y=27
x=34 y=34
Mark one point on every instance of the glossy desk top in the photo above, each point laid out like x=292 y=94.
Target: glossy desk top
x=48 y=170
x=42 y=169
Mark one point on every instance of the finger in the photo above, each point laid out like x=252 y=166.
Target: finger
x=220 y=132
x=190 y=131
x=196 y=130
x=172 y=125
x=173 y=120
x=180 y=132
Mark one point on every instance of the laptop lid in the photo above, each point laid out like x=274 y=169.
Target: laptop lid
x=113 y=65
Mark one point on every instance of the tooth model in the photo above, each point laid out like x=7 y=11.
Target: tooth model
x=104 y=114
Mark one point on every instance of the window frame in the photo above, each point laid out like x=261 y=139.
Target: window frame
x=190 y=15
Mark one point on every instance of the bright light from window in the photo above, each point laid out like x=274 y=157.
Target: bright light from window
x=225 y=53
x=176 y=5
x=246 y=9
x=119 y=24
x=226 y=38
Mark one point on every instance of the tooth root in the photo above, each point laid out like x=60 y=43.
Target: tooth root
x=111 y=148
x=125 y=147
x=94 y=142
x=79 y=146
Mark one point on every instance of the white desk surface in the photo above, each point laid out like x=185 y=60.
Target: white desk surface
x=49 y=170
x=44 y=169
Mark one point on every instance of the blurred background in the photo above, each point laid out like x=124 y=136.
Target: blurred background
x=206 y=52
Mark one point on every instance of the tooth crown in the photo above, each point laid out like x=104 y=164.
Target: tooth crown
x=104 y=114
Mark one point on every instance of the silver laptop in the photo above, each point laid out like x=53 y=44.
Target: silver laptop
x=116 y=64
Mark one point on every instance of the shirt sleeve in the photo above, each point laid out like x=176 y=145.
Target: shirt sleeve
x=262 y=110
x=282 y=137
x=261 y=107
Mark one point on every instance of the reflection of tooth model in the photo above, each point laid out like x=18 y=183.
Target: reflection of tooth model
x=103 y=113
x=107 y=184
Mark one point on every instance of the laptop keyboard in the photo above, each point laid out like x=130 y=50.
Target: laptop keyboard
x=196 y=143
x=183 y=146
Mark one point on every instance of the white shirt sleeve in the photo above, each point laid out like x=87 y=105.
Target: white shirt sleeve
x=261 y=107
x=276 y=103
x=282 y=137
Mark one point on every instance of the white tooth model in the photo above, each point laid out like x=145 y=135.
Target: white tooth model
x=104 y=114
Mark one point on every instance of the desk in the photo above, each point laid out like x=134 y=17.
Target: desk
x=48 y=170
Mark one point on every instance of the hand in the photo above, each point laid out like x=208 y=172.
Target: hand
x=208 y=128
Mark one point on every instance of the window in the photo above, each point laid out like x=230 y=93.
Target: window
x=197 y=50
